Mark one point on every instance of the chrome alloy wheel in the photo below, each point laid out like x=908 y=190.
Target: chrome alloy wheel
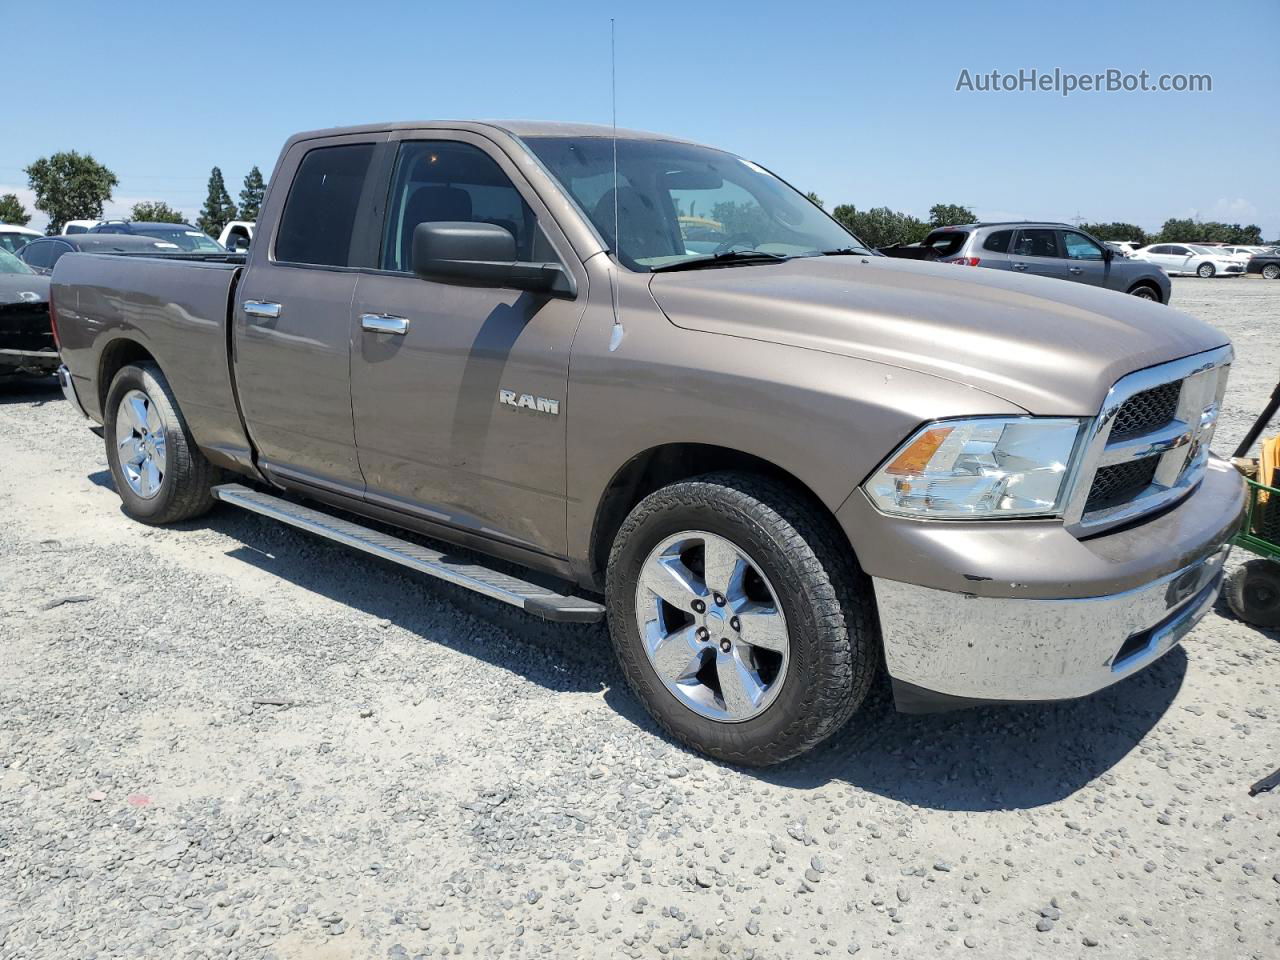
x=140 y=444
x=712 y=626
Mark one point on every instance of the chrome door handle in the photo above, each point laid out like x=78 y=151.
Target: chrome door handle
x=1075 y=270
x=384 y=323
x=1019 y=266
x=263 y=309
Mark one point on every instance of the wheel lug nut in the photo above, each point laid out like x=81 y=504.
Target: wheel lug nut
x=725 y=645
x=699 y=607
x=719 y=600
x=735 y=623
x=703 y=634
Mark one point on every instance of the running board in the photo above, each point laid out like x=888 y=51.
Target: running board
x=529 y=597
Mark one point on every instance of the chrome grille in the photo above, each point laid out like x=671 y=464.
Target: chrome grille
x=1147 y=410
x=1150 y=443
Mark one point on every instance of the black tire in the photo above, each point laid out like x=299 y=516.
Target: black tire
x=184 y=488
x=1253 y=592
x=826 y=598
x=1144 y=291
x=1271 y=272
x=1206 y=271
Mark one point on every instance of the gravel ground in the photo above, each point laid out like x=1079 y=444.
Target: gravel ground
x=228 y=739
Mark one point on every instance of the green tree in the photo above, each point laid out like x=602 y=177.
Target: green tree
x=70 y=186
x=12 y=211
x=252 y=194
x=1117 y=231
x=1188 y=230
x=950 y=214
x=218 y=209
x=156 y=211
x=881 y=226
x=815 y=200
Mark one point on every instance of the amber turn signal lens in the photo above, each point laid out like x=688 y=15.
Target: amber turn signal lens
x=916 y=457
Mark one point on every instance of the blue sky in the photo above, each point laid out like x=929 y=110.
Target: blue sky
x=854 y=101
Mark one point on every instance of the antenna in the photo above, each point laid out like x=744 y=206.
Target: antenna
x=615 y=339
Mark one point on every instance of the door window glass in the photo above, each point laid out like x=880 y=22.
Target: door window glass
x=444 y=181
x=998 y=242
x=320 y=212
x=1080 y=247
x=39 y=254
x=1036 y=243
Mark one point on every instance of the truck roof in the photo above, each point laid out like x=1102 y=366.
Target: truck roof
x=516 y=128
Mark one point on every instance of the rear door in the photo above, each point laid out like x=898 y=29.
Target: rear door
x=1086 y=262
x=292 y=313
x=994 y=250
x=1036 y=251
x=433 y=361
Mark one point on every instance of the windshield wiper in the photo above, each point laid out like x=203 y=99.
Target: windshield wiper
x=846 y=252
x=720 y=260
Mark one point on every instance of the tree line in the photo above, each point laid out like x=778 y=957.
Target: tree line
x=74 y=186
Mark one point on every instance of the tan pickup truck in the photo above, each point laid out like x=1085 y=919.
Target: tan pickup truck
x=667 y=389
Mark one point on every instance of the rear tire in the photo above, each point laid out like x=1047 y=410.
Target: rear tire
x=159 y=472
x=1271 y=271
x=1205 y=271
x=799 y=566
x=1253 y=592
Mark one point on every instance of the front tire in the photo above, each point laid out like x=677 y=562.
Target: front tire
x=740 y=618
x=159 y=472
x=1205 y=271
x=1271 y=271
x=1144 y=292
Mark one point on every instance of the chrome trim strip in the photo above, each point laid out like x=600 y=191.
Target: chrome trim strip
x=1182 y=461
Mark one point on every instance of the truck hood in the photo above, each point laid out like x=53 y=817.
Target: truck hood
x=1050 y=346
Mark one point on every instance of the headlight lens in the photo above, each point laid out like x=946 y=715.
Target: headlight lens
x=985 y=467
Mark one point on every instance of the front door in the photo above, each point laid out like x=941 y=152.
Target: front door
x=292 y=318
x=459 y=391
x=1086 y=262
x=1035 y=251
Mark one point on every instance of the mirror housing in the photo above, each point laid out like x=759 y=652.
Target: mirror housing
x=1108 y=254
x=481 y=254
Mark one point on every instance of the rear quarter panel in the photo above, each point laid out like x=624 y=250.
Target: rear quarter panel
x=176 y=311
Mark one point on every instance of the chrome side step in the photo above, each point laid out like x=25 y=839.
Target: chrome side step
x=529 y=597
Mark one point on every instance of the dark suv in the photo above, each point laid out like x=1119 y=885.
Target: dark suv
x=1046 y=250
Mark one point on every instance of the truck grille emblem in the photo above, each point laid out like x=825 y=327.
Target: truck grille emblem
x=529 y=402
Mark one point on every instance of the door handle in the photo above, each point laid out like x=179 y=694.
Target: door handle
x=262 y=309
x=1076 y=270
x=1019 y=266
x=384 y=323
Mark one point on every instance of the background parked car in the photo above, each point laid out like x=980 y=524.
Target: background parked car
x=237 y=235
x=26 y=336
x=73 y=227
x=43 y=253
x=1267 y=264
x=13 y=237
x=1190 y=259
x=1125 y=247
x=184 y=236
x=1041 y=249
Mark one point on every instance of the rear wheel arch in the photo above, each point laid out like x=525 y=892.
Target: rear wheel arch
x=118 y=354
x=671 y=463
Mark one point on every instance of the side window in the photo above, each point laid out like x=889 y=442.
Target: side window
x=320 y=211
x=56 y=250
x=443 y=180
x=1179 y=251
x=38 y=254
x=1036 y=243
x=998 y=242
x=1080 y=247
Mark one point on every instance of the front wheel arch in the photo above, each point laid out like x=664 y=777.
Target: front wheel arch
x=1145 y=286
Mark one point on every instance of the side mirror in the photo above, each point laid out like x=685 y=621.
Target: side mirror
x=483 y=254
x=1108 y=254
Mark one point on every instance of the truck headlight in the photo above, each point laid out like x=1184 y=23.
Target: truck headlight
x=984 y=467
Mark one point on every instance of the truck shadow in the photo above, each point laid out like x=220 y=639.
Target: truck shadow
x=32 y=391
x=989 y=758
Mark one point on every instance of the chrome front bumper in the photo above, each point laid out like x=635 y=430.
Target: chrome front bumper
x=965 y=647
x=69 y=390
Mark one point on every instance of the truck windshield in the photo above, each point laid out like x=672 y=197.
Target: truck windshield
x=679 y=202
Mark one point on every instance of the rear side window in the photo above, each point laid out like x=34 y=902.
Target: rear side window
x=998 y=242
x=38 y=254
x=1036 y=243
x=443 y=180
x=945 y=243
x=320 y=212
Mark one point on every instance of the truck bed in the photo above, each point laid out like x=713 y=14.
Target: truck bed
x=177 y=307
